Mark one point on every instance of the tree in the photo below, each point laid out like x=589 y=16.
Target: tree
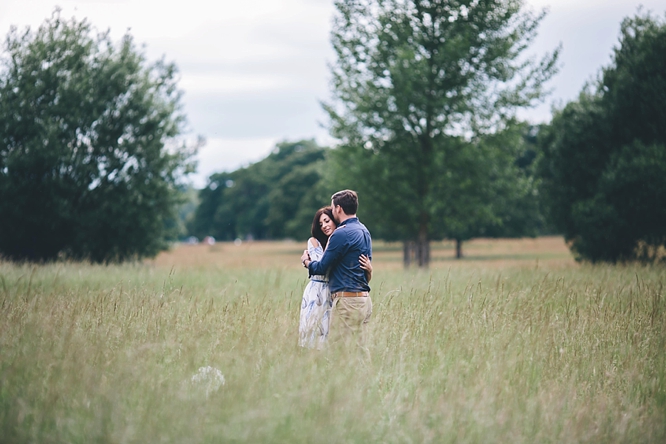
x=604 y=155
x=89 y=155
x=271 y=199
x=500 y=189
x=518 y=205
x=418 y=86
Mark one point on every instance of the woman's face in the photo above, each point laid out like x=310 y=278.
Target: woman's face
x=326 y=224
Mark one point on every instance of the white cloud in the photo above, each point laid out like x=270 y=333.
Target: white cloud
x=231 y=84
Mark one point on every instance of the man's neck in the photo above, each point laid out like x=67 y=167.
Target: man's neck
x=344 y=217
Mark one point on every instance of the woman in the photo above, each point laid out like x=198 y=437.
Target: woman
x=316 y=304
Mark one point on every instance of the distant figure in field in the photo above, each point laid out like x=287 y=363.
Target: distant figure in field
x=346 y=260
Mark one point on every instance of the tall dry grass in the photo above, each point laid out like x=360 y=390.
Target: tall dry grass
x=510 y=345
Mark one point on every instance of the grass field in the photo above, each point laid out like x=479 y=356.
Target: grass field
x=516 y=343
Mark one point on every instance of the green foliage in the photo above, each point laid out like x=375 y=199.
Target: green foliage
x=88 y=158
x=516 y=204
x=495 y=175
x=426 y=93
x=604 y=155
x=271 y=199
x=186 y=210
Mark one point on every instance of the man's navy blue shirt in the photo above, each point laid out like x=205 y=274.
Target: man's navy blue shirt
x=350 y=240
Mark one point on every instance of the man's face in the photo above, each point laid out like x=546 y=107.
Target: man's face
x=336 y=211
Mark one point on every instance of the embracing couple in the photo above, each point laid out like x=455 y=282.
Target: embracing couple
x=337 y=298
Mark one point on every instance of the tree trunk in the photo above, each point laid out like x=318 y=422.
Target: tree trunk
x=408 y=253
x=459 y=254
x=423 y=253
x=416 y=252
x=423 y=248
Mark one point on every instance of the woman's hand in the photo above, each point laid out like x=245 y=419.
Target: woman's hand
x=366 y=265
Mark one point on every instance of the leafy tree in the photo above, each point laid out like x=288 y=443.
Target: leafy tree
x=89 y=160
x=518 y=207
x=271 y=199
x=604 y=155
x=502 y=195
x=419 y=85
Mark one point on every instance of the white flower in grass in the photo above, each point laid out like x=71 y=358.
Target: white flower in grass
x=208 y=378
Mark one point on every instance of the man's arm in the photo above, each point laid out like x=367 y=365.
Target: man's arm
x=334 y=251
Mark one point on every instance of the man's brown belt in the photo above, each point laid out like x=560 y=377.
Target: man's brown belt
x=349 y=294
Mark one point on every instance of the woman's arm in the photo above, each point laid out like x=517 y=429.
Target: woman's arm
x=366 y=265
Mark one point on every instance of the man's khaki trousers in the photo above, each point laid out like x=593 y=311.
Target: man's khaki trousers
x=349 y=319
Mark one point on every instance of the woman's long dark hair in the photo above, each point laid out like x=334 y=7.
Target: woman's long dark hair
x=316 y=228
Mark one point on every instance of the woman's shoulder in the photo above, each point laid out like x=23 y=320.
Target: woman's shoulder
x=313 y=242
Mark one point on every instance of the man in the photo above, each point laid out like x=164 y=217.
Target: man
x=348 y=282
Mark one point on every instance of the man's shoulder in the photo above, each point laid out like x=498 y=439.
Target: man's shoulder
x=339 y=233
x=363 y=227
x=340 y=229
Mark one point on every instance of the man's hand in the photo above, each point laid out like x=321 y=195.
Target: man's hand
x=305 y=257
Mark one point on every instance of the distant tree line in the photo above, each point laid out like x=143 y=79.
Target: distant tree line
x=271 y=199
x=277 y=197
x=92 y=165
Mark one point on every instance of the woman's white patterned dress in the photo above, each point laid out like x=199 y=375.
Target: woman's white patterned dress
x=315 y=307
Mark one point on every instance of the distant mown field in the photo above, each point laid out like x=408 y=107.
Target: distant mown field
x=514 y=343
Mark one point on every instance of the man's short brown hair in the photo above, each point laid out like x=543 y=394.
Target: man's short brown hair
x=347 y=199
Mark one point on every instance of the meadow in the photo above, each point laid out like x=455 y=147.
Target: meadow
x=516 y=343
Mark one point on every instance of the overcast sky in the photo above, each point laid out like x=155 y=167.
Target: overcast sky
x=254 y=73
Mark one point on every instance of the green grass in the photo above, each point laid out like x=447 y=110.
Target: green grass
x=514 y=354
